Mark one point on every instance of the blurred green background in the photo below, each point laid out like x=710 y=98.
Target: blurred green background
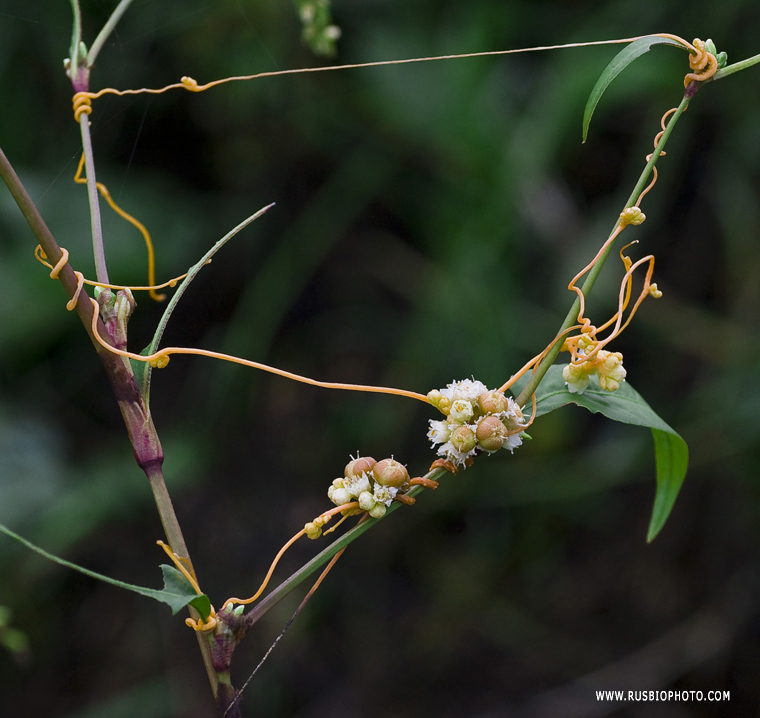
x=428 y=220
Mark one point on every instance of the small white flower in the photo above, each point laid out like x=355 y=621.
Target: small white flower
x=513 y=442
x=450 y=452
x=357 y=484
x=466 y=389
x=439 y=432
x=576 y=377
x=512 y=416
x=384 y=494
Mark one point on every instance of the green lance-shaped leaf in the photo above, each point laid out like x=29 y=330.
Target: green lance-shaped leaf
x=627 y=406
x=624 y=58
x=177 y=592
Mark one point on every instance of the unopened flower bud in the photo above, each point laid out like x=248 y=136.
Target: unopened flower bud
x=439 y=401
x=159 y=362
x=366 y=501
x=357 y=467
x=312 y=530
x=492 y=402
x=632 y=215
x=377 y=511
x=585 y=343
x=463 y=439
x=611 y=370
x=491 y=433
x=339 y=496
x=654 y=291
x=390 y=472
x=461 y=410
x=576 y=377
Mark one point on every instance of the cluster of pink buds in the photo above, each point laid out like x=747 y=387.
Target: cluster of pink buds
x=372 y=484
x=477 y=419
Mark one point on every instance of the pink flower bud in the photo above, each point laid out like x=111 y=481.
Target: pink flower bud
x=491 y=433
x=359 y=466
x=390 y=472
x=492 y=402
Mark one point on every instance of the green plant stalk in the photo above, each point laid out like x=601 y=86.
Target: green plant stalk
x=736 y=67
x=98 y=250
x=107 y=29
x=140 y=428
x=572 y=315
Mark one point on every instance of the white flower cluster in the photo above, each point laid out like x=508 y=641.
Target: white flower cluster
x=373 y=484
x=608 y=366
x=476 y=418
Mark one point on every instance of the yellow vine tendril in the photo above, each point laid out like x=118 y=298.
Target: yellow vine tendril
x=82 y=100
x=161 y=358
x=125 y=215
x=245 y=601
x=39 y=253
x=699 y=59
x=41 y=257
x=186 y=568
x=82 y=104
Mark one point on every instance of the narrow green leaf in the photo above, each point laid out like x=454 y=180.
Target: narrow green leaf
x=624 y=58
x=627 y=406
x=177 y=592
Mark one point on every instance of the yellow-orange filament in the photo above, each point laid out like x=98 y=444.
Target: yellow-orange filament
x=134 y=222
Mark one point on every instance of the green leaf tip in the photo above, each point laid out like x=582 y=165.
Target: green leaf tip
x=626 y=406
x=672 y=460
x=177 y=592
x=624 y=58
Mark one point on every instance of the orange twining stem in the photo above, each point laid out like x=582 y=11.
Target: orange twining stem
x=161 y=358
x=662 y=154
x=620 y=326
x=628 y=288
x=698 y=61
x=40 y=255
x=82 y=103
x=584 y=321
x=136 y=223
x=536 y=359
x=189 y=574
x=280 y=553
x=332 y=528
x=180 y=562
x=188 y=83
